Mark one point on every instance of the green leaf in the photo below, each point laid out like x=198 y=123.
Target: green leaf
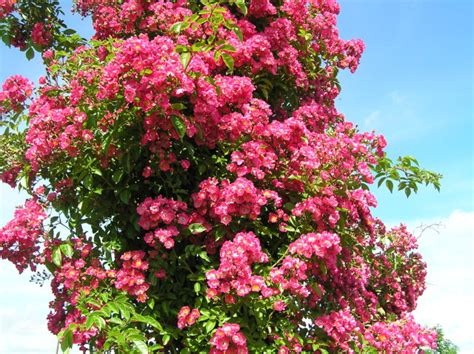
x=204 y=256
x=57 y=257
x=179 y=26
x=141 y=346
x=100 y=322
x=30 y=53
x=219 y=10
x=66 y=340
x=217 y=55
x=148 y=320
x=116 y=320
x=198 y=46
x=50 y=266
x=185 y=58
x=146 y=71
x=98 y=191
x=91 y=320
x=381 y=181
x=179 y=125
x=238 y=33
x=117 y=176
x=96 y=320
x=176 y=27
x=125 y=196
x=290 y=228
x=181 y=48
x=111 y=308
x=88 y=181
x=178 y=106
x=197 y=287
x=196 y=228
x=124 y=311
x=69 y=31
x=94 y=302
x=166 y=339
x=242 y=7
x=228 y=60
x=96 y=171
x=228 y=47
x=210 y=326
x=24 y=182
x=389 y=185
x=66 y=249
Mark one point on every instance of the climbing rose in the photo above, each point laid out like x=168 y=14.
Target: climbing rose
x=228 y=339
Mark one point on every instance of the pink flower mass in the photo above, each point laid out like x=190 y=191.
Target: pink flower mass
x=15 y=91
x=40 y=35
x=187 y=317
x=228 y=339
x=6 y=7
x=194 y=188
x=20 y=238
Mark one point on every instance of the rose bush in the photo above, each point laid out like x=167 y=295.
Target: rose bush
x=193 y=187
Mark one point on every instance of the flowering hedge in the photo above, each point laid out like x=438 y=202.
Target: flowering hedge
x=193 y=187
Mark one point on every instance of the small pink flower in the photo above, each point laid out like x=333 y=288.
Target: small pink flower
x=87 y=135
x=41 y=35
x=48 y=54
x=229 y=338
x=187 y=317
x=160 y=274
x=6 y=7
x=147 y=171
x=279 y=306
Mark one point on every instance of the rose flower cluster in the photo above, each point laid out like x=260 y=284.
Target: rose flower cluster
x=194 y=188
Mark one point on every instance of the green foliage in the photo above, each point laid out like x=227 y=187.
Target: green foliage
x=445 y=346
x=16 y=28
x=108 y=183
x=406 y=172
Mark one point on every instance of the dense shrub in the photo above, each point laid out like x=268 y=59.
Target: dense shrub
x=193 y=187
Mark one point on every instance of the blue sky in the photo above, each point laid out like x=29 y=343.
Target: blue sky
x=415 y=86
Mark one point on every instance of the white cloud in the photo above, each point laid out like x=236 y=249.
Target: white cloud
x=371 y=120
x=23 y=304
x=397 y=97
x=449 y=254
x=23 y=311
x=9 y=198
